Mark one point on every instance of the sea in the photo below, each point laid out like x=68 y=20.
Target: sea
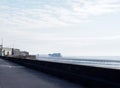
x=112 y=62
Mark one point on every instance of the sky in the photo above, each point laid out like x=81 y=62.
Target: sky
x=71 y=27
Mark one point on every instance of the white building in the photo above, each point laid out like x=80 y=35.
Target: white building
x=7 y=51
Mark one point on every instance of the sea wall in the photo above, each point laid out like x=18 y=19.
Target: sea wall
x=92 y=77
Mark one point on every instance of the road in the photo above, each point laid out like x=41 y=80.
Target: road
x=15 y=76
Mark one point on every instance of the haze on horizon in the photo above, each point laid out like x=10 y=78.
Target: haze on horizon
x=71 y=27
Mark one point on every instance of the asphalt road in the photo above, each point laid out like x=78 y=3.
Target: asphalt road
x=15 y=76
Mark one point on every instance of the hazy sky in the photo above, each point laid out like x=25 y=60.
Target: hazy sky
x=72 y=27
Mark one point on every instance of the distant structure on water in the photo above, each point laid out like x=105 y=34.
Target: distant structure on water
x=55 y=55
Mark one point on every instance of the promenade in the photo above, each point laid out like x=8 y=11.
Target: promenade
x=16 y=76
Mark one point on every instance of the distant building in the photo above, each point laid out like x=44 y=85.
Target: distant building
x=13 y=52
x=1 y=50
x=55 y=55
x=24 y=53
x=16 y=52
x=1 y=46
x=7 y=51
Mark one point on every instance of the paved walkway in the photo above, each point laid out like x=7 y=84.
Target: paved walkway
x=15 y=76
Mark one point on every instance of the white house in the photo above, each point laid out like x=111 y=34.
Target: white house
x=7 y=51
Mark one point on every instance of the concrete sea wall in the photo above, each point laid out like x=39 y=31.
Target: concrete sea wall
x=92 y=77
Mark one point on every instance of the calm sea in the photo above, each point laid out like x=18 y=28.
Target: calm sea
x=97 y=61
